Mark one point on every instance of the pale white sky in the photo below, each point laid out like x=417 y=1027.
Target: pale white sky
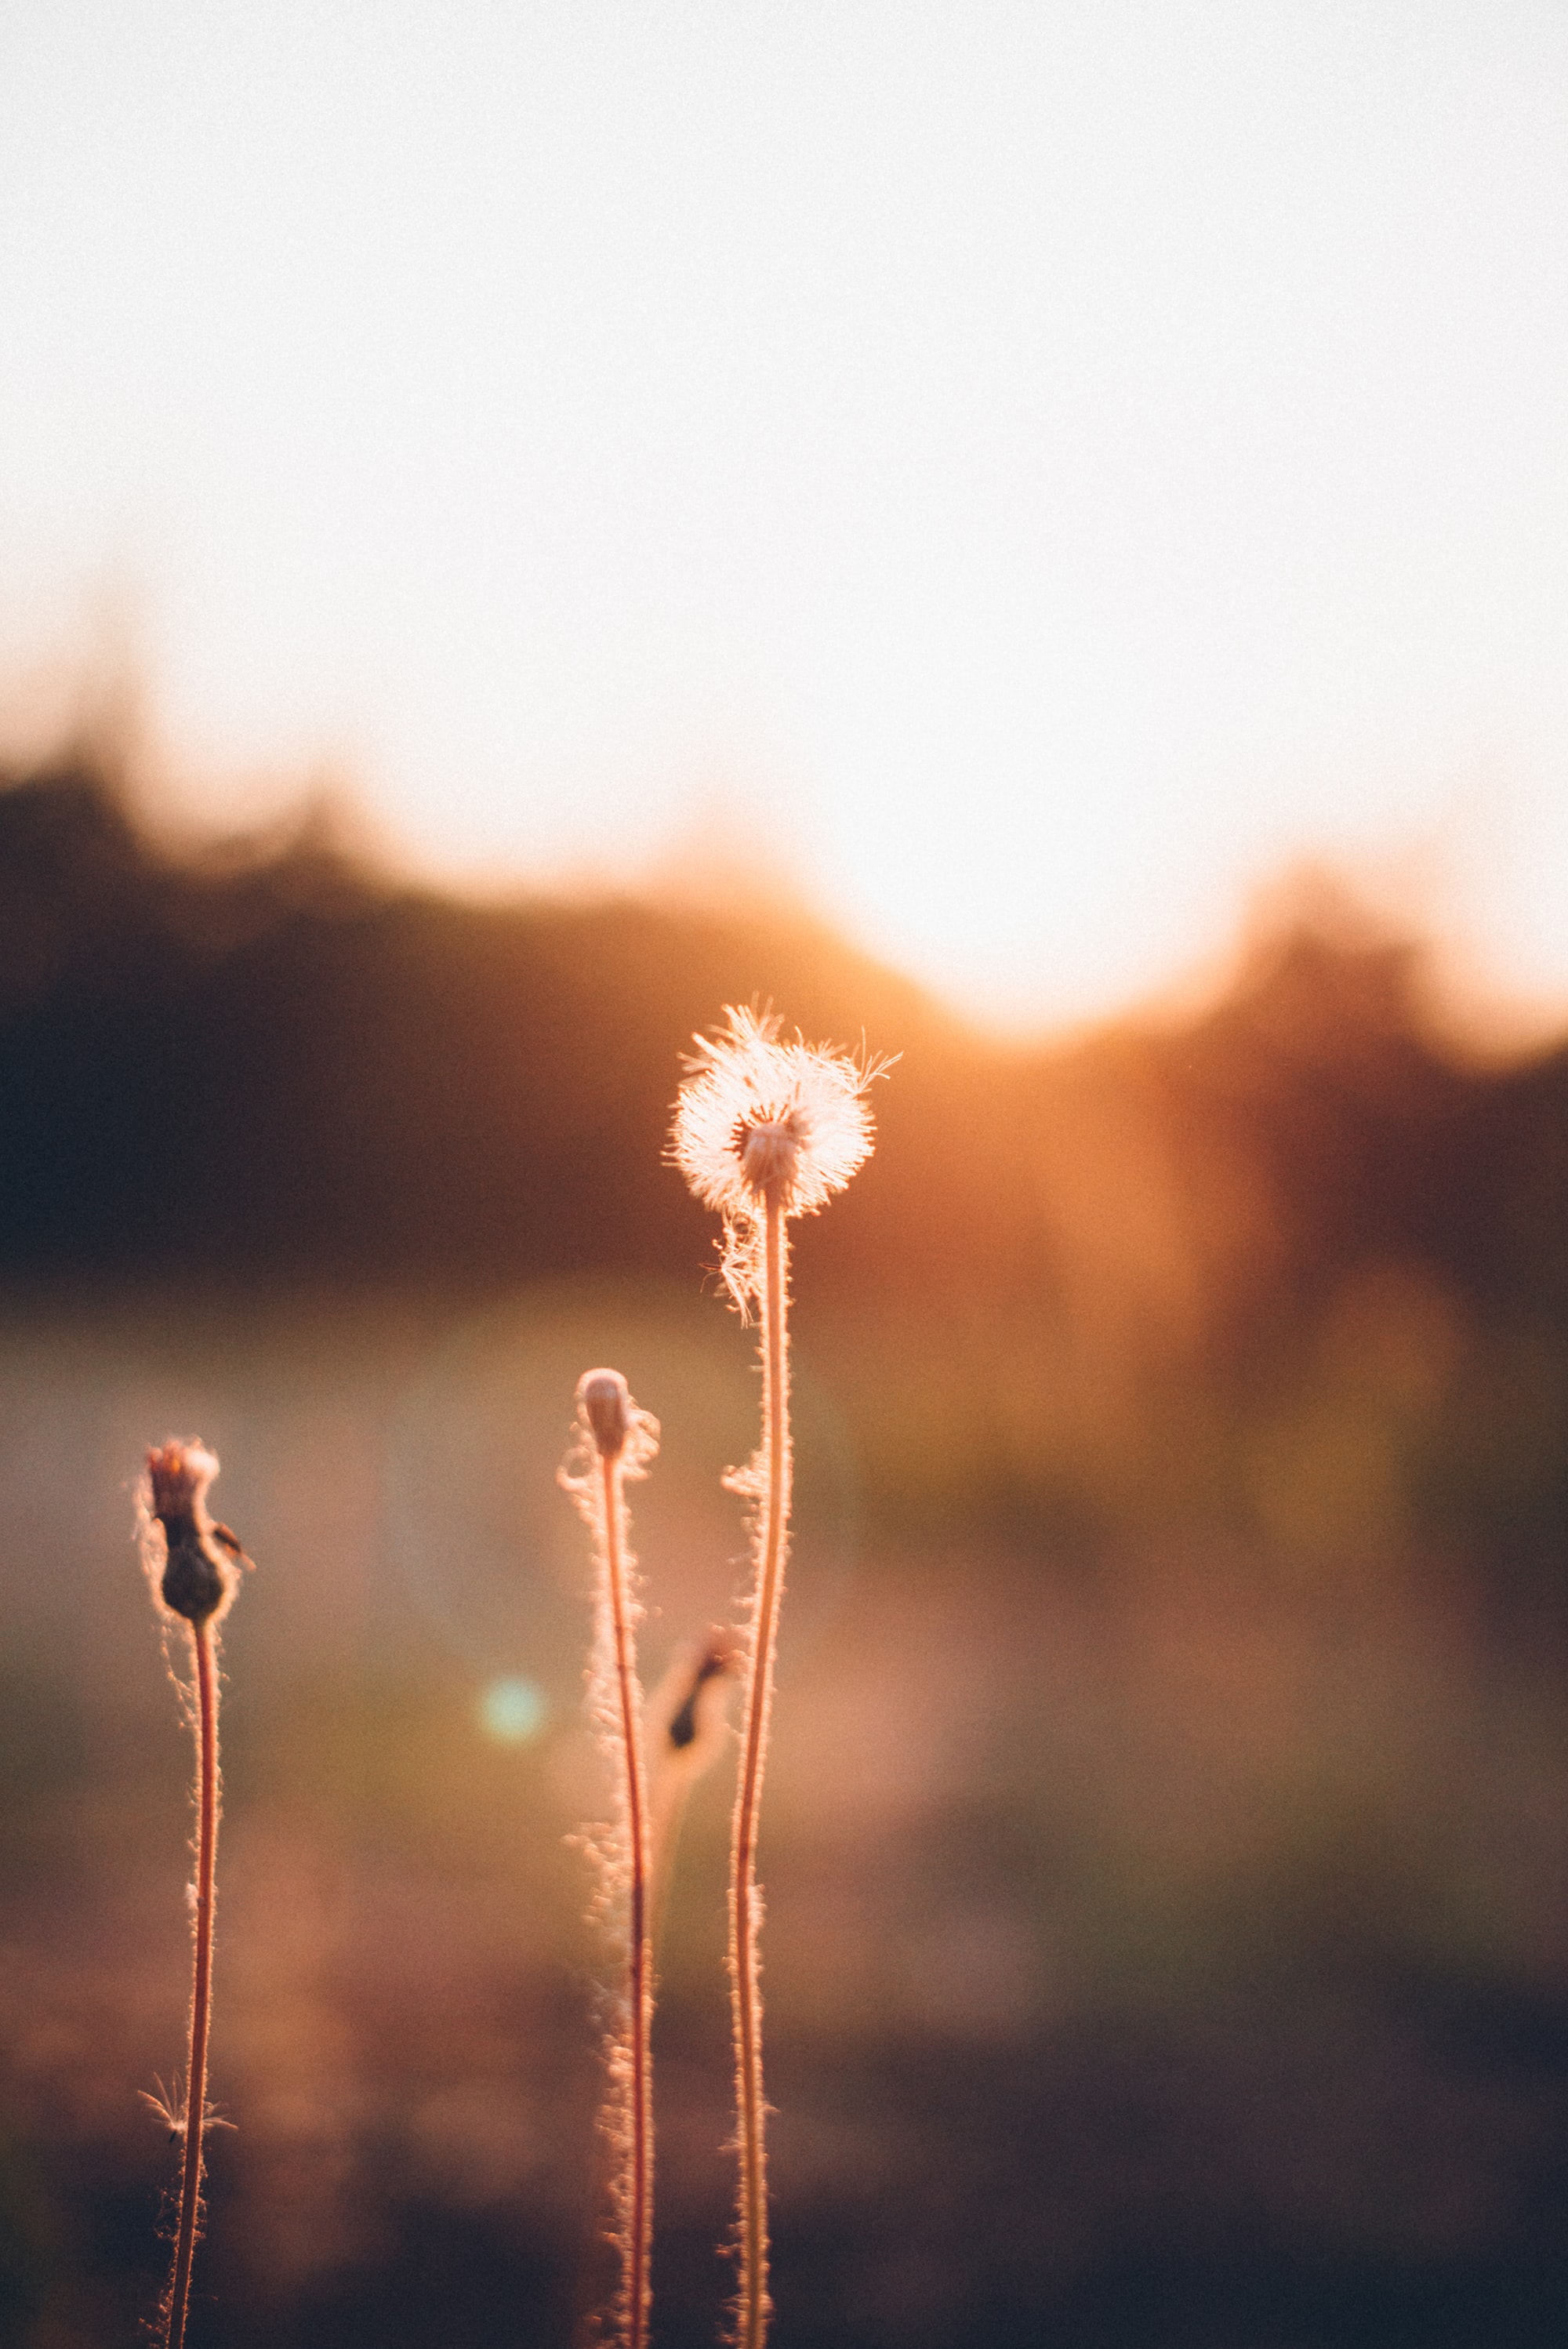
x=1054 y=463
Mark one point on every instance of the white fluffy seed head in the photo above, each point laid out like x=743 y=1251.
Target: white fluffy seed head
x=764 y=1124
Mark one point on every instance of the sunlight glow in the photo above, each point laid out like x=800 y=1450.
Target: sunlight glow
x=1055 y=465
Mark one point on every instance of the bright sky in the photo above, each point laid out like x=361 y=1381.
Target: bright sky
x=1037 y=466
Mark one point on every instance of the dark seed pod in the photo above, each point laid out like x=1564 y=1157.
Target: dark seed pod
x=194 y=1583
x=716 y=1656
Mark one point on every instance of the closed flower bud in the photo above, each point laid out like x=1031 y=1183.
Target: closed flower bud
x=195 y=1575
x=604 y=1399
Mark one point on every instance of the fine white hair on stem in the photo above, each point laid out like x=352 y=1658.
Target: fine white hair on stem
x=613 y=1442
x=763 y=1121
x=764 y=1129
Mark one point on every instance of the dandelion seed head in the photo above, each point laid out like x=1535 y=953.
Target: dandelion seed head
x=761 y=1123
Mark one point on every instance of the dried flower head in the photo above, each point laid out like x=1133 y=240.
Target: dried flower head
x=179 y=1476
x=190 y=1559
x=763 y=1124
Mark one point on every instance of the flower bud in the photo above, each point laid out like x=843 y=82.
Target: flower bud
x=604 y=1401
x=196 y=1580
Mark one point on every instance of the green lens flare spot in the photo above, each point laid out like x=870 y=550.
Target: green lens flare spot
x=512 y=1710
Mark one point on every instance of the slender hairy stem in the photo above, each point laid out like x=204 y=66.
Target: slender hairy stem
x=753 y=2304
x=201 y=1643
x=639 y=2216
x=764 y=1129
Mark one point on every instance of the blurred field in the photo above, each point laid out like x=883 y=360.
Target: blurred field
x=1167 y=1848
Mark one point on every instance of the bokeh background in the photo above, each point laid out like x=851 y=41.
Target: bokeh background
x=1167 y=1850
x=1032 y=536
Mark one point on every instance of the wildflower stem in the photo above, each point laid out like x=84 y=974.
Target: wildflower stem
x=764 y=1129
x=206 y=1726
x=753 y=2304
x=639 y=1953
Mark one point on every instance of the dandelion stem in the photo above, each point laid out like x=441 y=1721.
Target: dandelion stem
x=753 y=2304
x=764 y=1129
x=639 y=1953
x=206 y=1727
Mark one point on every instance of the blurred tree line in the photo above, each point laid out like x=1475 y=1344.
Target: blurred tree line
x=1291 y=1267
